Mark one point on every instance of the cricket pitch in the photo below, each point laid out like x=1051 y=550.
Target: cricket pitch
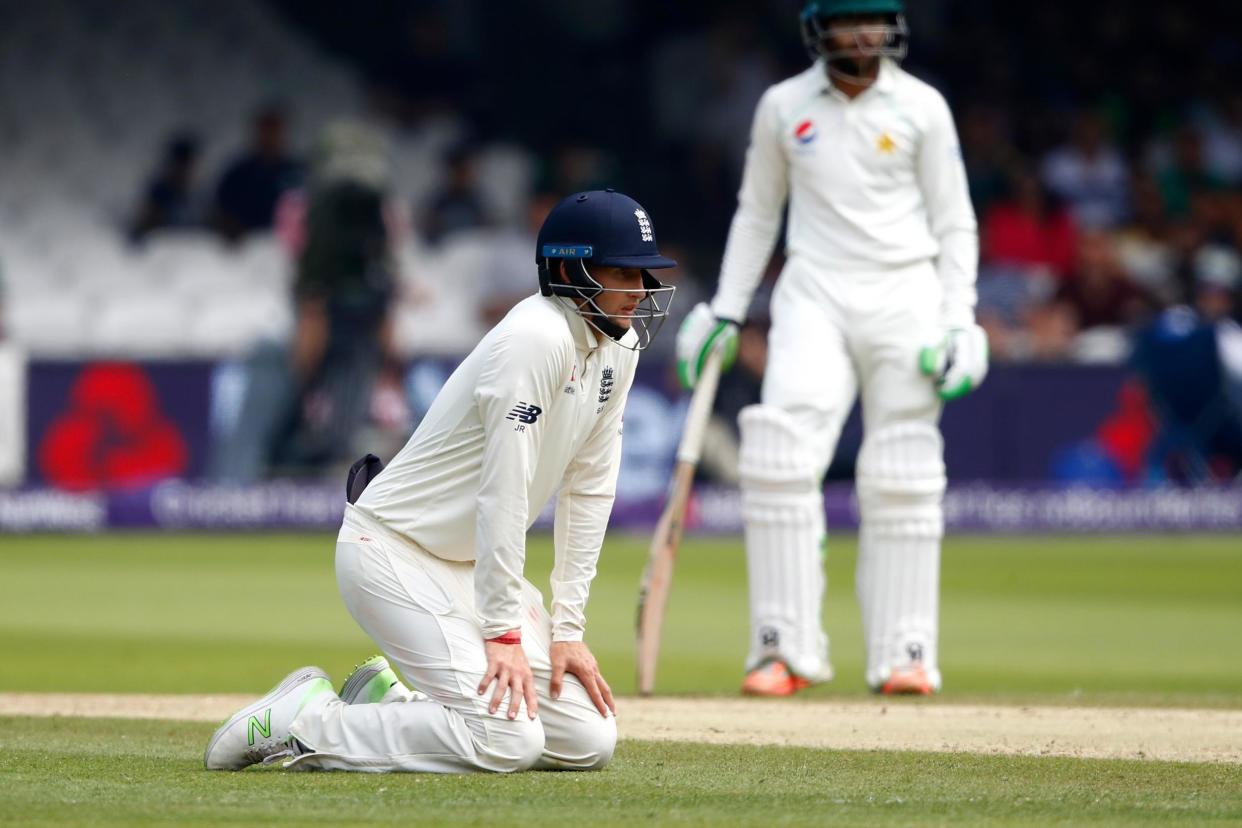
x=1179 y=735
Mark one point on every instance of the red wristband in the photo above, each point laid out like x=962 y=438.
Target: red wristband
x=511 y=637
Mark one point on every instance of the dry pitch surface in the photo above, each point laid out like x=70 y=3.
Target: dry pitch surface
x=1180 y=735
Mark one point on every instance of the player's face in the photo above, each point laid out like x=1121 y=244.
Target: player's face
x=861 y=32
x=624 y=290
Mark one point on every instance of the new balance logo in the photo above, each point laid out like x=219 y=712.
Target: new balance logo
x=524 y=413
x=263 y=727
x=915 y=651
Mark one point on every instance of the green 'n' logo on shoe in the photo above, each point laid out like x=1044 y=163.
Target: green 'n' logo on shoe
x=264 y=727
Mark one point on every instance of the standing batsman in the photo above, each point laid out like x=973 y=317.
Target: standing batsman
x=430 y=558
x=877 y=296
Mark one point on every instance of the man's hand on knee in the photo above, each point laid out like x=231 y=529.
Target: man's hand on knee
x=507 y=666
x=575 y=657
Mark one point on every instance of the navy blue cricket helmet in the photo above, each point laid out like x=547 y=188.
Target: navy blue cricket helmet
x=606 y=229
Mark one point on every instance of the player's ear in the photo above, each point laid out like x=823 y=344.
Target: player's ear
x=561 y=273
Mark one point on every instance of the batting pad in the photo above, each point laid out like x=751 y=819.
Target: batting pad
x=783 y=508
x=900 y=481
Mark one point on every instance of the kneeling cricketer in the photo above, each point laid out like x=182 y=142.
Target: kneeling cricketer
x=430 y=557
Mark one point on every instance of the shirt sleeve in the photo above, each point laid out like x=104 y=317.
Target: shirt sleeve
x=516 y=386
x=582 y=510
x=942 y=178
x=760 y=205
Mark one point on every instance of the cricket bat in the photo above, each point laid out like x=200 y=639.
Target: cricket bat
x=658 y=575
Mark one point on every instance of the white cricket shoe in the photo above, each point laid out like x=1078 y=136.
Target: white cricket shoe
x=260 y=731
x=375 y=682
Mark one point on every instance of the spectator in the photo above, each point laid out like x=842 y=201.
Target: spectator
x=171 y=198
x=1222 y=139
x=305 y=402
x=1218 y=277
x=1089 y=174
x=457 y=206
x=1100 y=293
x=578 y=167
x=1028 y=247
x=988 y=154
x=247 y=193
x=511 y=274
x=1029 y=229
x=342 y=346
x=1190 y=359
x=1187 y=175
x=1046 y=334
x=1145 y=245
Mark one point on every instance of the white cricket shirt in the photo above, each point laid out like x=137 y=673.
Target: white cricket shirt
x=536 y=406
x=873 y=183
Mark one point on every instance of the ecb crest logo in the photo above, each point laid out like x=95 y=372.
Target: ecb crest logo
x=644 y=225
x=605 y=384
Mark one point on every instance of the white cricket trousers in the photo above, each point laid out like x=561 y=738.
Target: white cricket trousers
x=833 y=335
x=834 y=332
x=419 y=609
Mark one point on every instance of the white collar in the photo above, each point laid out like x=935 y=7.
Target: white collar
x=885 y=82
x=586 y=338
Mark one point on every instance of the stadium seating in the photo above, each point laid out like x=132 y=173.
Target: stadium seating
x=87 y=98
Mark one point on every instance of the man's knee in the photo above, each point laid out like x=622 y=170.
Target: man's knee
x=512 y=745
x=589 y=744
x=901 y=480
x=599 y=742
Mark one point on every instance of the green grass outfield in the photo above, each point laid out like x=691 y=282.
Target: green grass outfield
x=90 y=771
x=1153 y=620
x=1140 y=620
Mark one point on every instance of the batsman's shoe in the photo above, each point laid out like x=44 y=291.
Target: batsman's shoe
x=375 y=682
x=772 y=679
x=260 y=732
x=908 y=680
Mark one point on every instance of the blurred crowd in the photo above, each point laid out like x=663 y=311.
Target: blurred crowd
x=1103 y=147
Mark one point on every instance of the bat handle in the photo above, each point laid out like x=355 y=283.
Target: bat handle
x=691 y=446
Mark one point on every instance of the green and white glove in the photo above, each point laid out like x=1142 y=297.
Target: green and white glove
x=958 y=363
x=701 y=331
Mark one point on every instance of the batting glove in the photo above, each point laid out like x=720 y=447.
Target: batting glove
x=700 y=332
x=958 y=363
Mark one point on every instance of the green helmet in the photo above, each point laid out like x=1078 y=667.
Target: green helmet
x=816 y=15
x=832 y=8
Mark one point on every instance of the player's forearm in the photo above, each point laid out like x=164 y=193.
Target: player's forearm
x=581 y=521
x=497 y=594
x=500 y=538
x=957 y=266
x=752 y=236
x=569 y=600
x=569 y=618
